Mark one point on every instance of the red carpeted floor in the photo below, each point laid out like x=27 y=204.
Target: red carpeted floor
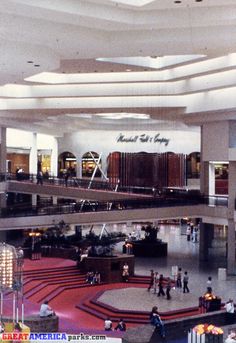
x=75 y=302
x=45 y=263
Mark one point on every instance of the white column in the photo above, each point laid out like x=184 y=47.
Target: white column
x=211 y=179
x=3 y=151
x=33 y=162
x=3 y=159
x=231 y=224
x=54 y=200
x=104 y=164
x=54 y=159
x=34 y=199
x=79 y=167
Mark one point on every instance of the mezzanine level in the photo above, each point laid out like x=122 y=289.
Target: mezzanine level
x=99 y=212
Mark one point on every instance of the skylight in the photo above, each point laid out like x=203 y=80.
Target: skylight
x=136 y=3
x=123 y=115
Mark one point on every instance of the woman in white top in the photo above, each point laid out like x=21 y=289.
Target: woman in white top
x=45 y=310
x=230 y=315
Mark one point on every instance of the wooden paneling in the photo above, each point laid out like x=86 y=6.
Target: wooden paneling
x=147 y=169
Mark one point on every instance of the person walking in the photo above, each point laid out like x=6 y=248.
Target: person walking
x=209 y=284
x=151 y=283
x=155 y=320
x=185 y=282
x=39 y=178
x=168 y=288
x=188 y=233
x=161 y=285
x=66 y=177
x=179 y=278
x=156 y=281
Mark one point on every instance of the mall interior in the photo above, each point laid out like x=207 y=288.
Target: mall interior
x=118 y=117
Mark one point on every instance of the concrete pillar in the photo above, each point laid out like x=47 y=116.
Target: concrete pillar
x=79 y=167
x=104 y=164
x=3 y=236
x=231 y=247
x=34 y=199
x=3 y=166
x=54 y=159
x=231 y=224
x=205 y=239
x=33 y=161
x=211 y=182
x=204 y=178
x=54 y=200
x=3 y=151
x=33 y=164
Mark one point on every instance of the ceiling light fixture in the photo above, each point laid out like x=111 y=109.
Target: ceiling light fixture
x=30 y=62
x=37 y=65
x=177 y=2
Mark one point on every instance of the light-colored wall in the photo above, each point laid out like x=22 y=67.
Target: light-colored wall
x=215 y=141
x=106 y=142
x=25 y=140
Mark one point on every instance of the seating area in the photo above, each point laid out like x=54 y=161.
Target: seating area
x=68 y=293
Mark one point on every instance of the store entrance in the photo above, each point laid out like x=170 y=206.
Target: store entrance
x=67 y=164
x=89 y=163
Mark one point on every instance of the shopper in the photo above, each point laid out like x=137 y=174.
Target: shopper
x=188 y=232
x=161 y=285
x=46 y=310
x=125 y=272
x=39 y=178
x=151 y=283
x=209 y=284
x=179 y=278
x=230 y=312
x=2 y=327
x=156 y=281
x=108 y=324
x=185 y=282
x=168 y=288
x=155 y=320
x=121 y=326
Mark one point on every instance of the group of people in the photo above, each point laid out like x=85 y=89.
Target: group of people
x=192 y=233
x=158 y=283
x=182 y=280
x=93 y=278
x=108 y=325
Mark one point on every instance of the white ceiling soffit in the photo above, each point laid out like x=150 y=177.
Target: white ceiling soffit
x=135 y=3
x=186 y=50
x=155 y=62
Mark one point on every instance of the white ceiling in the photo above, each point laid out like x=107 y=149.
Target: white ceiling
x=64 y=63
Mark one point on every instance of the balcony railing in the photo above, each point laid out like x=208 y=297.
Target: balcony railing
x=116 y=205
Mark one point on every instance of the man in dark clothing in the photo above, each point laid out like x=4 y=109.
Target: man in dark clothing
x=185 y=281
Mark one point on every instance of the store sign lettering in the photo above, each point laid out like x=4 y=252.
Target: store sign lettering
x=143 y=138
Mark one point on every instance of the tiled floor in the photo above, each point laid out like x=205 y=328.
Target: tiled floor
x=183 y=254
